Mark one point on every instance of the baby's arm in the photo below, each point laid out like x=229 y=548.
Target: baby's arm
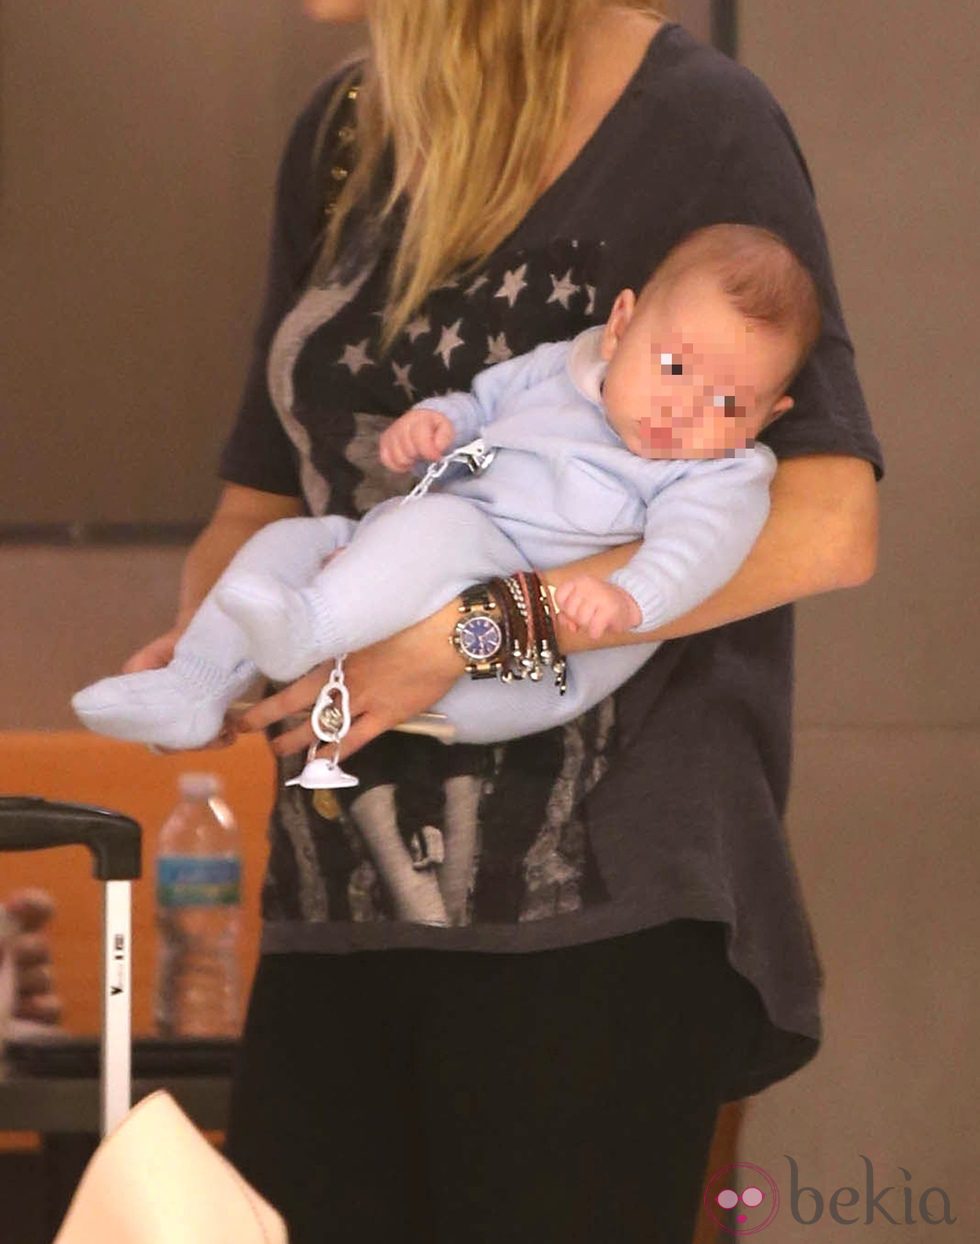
x=698 y=532
x=437 y=425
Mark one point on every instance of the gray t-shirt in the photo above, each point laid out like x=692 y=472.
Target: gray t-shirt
x=666 y=799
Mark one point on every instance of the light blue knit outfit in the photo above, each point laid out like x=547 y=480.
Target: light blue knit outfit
x=562 y=486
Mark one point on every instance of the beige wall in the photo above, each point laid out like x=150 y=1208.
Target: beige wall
x=137 y=163
x=884 y=100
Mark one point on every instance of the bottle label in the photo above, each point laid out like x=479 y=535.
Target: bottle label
x=198 y=881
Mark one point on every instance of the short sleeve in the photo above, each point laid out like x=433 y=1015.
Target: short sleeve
x=757 y=175
x=258 y=453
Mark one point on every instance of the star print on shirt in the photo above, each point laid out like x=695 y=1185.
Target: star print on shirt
x=498 y=350
x=356 y=357
x=401 y=379
x=512 y=284
x=482 y=279
x=518 y=298
x=563 y=289
x=417 y=327
x=449 y=341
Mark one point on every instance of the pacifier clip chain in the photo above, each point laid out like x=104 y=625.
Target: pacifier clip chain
x=330 y=721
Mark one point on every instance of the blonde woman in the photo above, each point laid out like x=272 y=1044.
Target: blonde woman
x=505 y=989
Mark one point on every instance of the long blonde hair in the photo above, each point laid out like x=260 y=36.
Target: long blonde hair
x=474 y=94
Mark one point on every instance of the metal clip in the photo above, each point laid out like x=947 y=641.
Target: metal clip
x=476 y=456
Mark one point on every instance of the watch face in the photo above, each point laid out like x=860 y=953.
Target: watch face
x=480 y=638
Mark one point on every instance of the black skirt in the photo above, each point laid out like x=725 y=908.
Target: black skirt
x=431 y=1097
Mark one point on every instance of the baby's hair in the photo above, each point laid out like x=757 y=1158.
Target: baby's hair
x=761 y=275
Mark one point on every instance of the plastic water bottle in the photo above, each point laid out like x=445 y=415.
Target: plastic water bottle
x=198 y=889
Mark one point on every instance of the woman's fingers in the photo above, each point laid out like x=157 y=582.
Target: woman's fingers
x=297 y=697
x=155 y=655
x=363 y=730
x=227 y=736
x=387 y=683
x=296 y=740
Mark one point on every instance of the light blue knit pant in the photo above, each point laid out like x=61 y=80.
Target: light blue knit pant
x=403 y=562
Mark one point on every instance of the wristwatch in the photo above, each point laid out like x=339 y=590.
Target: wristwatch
x=478 y=636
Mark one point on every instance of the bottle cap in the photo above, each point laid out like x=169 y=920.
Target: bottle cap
x=199 y=785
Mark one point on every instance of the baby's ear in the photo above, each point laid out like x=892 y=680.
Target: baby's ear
x=781 y=407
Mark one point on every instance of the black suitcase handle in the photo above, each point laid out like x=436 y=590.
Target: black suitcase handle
x=28 y=823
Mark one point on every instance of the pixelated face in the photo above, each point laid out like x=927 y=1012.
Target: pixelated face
x=688 y=376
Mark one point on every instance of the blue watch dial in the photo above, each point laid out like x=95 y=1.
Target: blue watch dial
x=480 y=638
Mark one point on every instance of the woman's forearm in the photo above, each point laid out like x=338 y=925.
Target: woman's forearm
x=821 y=534
x=206 y=559
x=240 y=513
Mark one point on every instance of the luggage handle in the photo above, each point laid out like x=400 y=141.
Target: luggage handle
x=28 y=823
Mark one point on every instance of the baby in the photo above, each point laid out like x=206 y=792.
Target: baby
x=642 y=427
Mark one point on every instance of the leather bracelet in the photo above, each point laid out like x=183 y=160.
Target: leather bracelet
x=523 y=655
x=549 y=650
x=545 y=605
x=523 y=599
x=531 y=649
x=501 y=598
x=517 y=629
x=557 y=662
x=542 y=620
x=527 y=584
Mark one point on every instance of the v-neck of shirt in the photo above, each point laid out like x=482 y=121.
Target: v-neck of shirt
x=633 y=87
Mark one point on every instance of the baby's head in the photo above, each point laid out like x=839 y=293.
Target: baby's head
x=700 y=363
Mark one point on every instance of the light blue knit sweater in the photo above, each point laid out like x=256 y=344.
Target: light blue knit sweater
x=563 y=484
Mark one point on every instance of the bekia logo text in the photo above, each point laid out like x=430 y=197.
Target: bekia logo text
x=932 y=1204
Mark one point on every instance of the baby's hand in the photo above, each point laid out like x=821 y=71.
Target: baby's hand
x=596 y=605
x=418 y=433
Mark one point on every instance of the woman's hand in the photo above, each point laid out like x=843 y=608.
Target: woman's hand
x=387 y=683
x=156 y=654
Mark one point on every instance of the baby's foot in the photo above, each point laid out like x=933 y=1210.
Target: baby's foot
x=180 y=706
x=278 y=624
